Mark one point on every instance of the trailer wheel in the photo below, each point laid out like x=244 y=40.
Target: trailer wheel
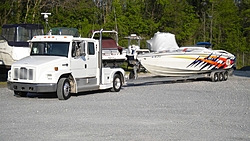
x=132 y=74
x=221 y=76
x=117 y=83
x=225 y=75
x=20 y=94
x=63 y=89
x=215 y=77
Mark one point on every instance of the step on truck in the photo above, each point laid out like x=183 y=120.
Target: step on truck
x=63 y=64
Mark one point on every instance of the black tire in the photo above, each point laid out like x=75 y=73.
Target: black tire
x=117 y=83
x=225 y=75
x=20 y=94
x=221 y=76
x=63 y=89
x=215 y=77
x=131 y=75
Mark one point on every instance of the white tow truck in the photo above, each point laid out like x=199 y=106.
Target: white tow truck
x=63 y=64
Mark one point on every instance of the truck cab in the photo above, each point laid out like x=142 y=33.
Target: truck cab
x=63 y=64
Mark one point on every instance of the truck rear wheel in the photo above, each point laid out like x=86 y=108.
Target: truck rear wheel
x=117 y=83
x=63 y=89
x=20 y=94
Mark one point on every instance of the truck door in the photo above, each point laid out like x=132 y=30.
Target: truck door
x=92 y=59
x=78 y=59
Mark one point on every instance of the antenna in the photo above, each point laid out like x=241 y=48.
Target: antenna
x=46 y=17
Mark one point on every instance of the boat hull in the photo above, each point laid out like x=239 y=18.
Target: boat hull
x=10 y=54
x=185 y=63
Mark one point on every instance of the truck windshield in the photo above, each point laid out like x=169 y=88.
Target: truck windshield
x=50 y=48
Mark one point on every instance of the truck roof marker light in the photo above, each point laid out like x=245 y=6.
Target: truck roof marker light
x=65 y=36
x=56 y=68
x=44 y=36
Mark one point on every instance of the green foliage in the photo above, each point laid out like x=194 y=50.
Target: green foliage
x=223 y=22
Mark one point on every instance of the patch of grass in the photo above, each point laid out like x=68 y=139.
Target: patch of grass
x=3 y=84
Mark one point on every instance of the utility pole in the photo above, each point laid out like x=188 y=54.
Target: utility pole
x=204 y=26
x=204 y=19
x=211 y=23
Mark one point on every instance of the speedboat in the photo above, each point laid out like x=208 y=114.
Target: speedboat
x=168 y=59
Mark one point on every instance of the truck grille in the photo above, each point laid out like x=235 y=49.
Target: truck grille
x=23 y=74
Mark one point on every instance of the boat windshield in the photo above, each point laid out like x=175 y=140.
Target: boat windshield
x=50 y=48
x=134 y=42
x=19 y=34
x=8 y=34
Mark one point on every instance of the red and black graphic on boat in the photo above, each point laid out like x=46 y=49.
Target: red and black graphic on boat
x=212 y=61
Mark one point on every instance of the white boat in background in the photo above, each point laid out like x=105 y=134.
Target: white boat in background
x=134 y=46
x=13 y=42
x=133 y=50
x=113 y=55
x=168 y=59
x=64 y=31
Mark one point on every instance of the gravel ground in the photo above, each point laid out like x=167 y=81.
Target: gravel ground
x=192 y=110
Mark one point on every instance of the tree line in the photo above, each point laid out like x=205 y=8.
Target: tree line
x=224 y=23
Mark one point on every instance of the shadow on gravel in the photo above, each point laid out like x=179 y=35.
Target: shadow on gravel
x=54 y=95
x=243 y=72
x=152 y=81
x=40 y=95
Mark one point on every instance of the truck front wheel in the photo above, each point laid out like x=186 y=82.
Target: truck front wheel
x=117 y=83
x=63 y=89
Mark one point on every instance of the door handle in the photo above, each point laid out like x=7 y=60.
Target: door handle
x=65 y=64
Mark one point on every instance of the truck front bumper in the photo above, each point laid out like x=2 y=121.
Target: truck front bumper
x=30 y=87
